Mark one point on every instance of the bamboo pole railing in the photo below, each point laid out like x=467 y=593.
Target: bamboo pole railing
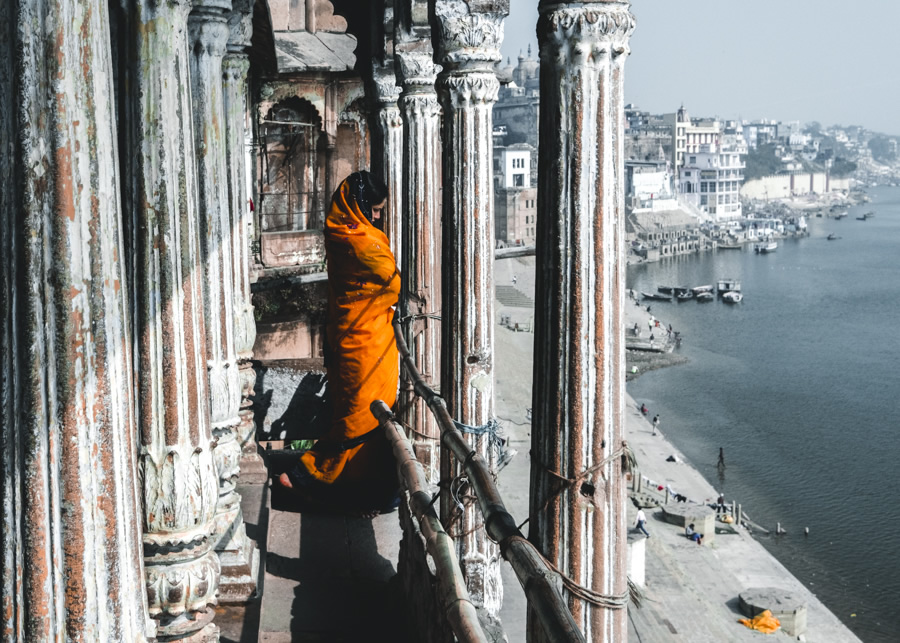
x=540 y=582
x=459 y=610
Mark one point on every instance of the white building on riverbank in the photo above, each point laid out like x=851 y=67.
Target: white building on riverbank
x=710 y=164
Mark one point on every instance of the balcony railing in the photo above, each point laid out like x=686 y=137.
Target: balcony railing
x=538 y=578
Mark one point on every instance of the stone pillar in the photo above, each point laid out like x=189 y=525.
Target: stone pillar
x=176 y=457
x=208 y=29
x=579 y=357
x=469 y=45
x=70 y=546
x=420 y=302
x=235 y=65
x=391 y=126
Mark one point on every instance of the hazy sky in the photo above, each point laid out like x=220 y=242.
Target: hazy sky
x=833 y=61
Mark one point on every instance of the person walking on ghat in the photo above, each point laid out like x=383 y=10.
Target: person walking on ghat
x=351 y=467
x=655 y=423
x=640 y=521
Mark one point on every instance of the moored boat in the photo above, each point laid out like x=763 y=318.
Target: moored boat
x=765 y=247
x=732 y=297
x=728 y=285
x=698 y=289
x=665 y=289
x=704 y=297
x=685 y=296
x=656 y=296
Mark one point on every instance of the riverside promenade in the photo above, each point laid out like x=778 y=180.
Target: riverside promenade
x=691 y=592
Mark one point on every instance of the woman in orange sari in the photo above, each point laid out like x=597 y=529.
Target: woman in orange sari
x=352 y=463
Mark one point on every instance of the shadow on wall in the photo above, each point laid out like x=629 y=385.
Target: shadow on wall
x=290 y=404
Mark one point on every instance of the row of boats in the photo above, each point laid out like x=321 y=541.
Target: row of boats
x=729 y=290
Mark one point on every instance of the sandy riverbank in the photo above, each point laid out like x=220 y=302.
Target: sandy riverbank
x=691 y=592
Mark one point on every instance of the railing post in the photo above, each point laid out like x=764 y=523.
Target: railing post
x=468 y=46
x=421 y=263
x=579 y=365
x=70 y=546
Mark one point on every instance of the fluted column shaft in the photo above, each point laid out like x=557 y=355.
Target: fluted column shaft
x=579 y=377
x=469 y=44
x=70 y=546
x=209 y=32
x=391 y=128
x=177 y=459
x=421 y=267
x=235 y=65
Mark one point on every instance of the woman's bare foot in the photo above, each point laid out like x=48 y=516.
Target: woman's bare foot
x=285 y=481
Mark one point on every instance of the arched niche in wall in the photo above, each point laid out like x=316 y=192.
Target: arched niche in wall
x=291 y=167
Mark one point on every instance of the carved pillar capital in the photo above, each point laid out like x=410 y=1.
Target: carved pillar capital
x=469 y=39
x=584 y=33
x=240 y=25
x=235 y=66
x=416 y=70
x=208 y=30
x=472 y=88
x=385 y=79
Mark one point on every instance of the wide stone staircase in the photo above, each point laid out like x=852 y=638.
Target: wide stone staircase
x=512 y=297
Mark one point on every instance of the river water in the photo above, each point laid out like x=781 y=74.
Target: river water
x=800 y=385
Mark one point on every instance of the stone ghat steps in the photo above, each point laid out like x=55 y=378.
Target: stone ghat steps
x=513 y=297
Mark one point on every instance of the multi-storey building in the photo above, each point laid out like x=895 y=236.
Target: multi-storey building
x=515 y=197
x=709 y=164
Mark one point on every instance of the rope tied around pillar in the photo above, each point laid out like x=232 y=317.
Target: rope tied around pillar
x=629 y=464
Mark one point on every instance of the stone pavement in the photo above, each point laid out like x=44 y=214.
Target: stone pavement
x=692 y=592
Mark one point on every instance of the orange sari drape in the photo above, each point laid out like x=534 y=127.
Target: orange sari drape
x=364 y=284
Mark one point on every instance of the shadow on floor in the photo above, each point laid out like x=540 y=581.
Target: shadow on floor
x=344 y=589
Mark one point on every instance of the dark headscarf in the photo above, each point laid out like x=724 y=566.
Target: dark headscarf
x=366 y=190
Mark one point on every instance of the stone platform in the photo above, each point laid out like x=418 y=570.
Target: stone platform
x=787 y=606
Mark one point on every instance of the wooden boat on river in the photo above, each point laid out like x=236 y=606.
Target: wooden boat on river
x=732 y=297
x=656 y=296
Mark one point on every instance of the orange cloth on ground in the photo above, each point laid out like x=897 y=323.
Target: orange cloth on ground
x=363 y=284
x=762 y=622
